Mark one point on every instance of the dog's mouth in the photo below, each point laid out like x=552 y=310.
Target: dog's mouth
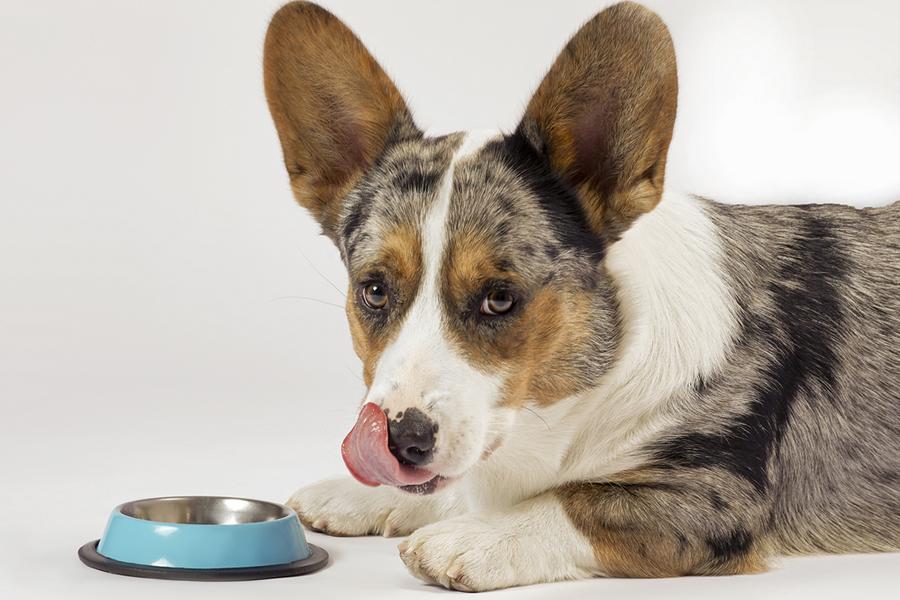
x=429 y=487
x=367 y=456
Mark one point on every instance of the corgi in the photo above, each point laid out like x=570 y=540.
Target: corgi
x=571 y=370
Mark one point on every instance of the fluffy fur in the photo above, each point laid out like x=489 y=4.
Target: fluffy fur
x=680 y=387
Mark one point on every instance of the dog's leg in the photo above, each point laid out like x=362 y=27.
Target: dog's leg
x=533 y=542
x=627 y=529
x=656 y=523
x=348 y=508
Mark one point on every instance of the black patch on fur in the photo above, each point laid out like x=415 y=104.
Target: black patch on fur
x=358 y=214
x=717 y=502
x=503 y=229
x=809 y=315
x=701 y=386
x=507 y=206
x=887 y=477
x=356 y=240
x=414 y=180
x=563 y=210
x=642 y=550
x=733 y=544
x=634 y=489
x=682 y=543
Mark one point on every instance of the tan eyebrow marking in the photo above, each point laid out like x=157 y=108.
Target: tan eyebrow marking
x=400 y=253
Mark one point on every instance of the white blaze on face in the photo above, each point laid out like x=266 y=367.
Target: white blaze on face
x=421 y=368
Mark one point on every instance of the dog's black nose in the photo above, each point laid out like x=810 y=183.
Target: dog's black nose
x=411 y=437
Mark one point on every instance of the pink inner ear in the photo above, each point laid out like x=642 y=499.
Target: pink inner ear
x=594 y=128
x=345 y=154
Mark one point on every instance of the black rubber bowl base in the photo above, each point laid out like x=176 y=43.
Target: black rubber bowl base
x=317 y=559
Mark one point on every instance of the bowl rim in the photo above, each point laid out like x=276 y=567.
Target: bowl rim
x=288 y=512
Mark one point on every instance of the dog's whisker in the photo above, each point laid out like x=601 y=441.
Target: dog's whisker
x=320 y=273
x=544 y=421
x=307 y=298
x=354 y=373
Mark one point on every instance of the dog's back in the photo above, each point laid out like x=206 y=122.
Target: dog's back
x=815 y=370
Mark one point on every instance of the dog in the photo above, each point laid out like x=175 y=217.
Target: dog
x=571 y=370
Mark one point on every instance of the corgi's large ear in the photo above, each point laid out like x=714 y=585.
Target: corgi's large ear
x=334 y=107
x=603 y=115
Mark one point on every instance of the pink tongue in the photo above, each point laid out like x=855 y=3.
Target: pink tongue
x=366 y=454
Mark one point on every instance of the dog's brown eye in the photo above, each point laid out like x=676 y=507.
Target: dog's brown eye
x=497 y=303
x=375 y=296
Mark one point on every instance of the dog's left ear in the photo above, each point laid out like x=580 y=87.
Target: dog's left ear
x=603 y=115
x=334 y=107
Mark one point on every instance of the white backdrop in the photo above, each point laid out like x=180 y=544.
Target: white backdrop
x=154 y=336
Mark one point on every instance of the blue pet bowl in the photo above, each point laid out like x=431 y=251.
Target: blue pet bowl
x=203 y=538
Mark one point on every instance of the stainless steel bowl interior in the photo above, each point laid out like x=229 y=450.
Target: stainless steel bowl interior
x=206 y=510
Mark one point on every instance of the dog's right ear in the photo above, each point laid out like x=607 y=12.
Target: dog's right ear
x=334 y=107
x=603 y=115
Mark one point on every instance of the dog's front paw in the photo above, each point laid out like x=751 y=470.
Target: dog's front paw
x=345 y=507
x=467 y=554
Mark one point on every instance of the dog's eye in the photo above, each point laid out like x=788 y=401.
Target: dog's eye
x=375 y=296
x=497 y=303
